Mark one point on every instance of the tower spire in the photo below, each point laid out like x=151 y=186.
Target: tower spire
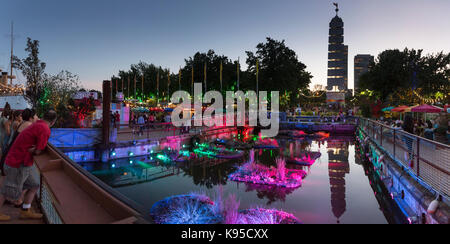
x=337 y=8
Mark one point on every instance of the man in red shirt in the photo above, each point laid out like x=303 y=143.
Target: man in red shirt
x=18 y=166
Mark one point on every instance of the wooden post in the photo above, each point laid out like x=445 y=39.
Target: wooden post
x=106 y=112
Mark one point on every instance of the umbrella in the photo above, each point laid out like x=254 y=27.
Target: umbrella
x=409 y=110
x=387 y=109
x=426 y=109
x=399 y=109
x=168 y=109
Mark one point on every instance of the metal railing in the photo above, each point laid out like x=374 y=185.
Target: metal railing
x=428 y=160
x=155 y=131
x=50 y=204
x=322 y=120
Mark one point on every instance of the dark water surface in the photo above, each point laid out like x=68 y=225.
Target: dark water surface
x=336 y=189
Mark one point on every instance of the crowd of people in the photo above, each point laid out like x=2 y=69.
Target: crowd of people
x=22 y=135
x=413 y=126
x=149 y=121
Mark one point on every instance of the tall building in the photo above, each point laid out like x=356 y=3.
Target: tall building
x=362 y=64
x=338 y=168
x=337 y=83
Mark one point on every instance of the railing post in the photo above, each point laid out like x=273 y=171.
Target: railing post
x=395 y=155
x=418 y=157
x=381 y=136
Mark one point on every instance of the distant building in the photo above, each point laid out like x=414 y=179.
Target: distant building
x=362 y=64
x=337 y=82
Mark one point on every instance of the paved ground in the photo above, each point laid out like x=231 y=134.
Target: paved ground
x=14 y=213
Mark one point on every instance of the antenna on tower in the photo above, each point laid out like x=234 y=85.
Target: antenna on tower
x=337 y=8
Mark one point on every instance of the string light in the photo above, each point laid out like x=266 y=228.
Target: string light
x=6 y=89
x=429 y=100
x=316 y=95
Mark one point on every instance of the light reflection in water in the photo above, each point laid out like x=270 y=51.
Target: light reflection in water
x=334 y=190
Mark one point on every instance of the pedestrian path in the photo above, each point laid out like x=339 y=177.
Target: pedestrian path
x=15 y=212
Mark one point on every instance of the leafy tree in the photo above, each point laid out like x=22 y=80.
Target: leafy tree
x=33 y=69
x=396 y=74
x=279 y=68
x=56 y=93
x=212 y=61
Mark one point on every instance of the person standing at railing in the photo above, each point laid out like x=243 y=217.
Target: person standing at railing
x=429 y=132
x=28 y=118
x=151 y=120
x=117 y=117
x=19 y=165
x=408 y=126
x=167 y=120
x=141 y=123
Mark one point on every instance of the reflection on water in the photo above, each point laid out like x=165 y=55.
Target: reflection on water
x=335 y=190
x=338 y=167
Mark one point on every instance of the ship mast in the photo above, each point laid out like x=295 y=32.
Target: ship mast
x=12 y=48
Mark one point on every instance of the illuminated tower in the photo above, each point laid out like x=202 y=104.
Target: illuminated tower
x=338 y=167
x=337 y=82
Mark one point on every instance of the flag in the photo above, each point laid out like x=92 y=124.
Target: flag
x=205 y=78
x=179 y=80
x=192 y=85
x=168 y=85
x=221 y=77
x=257 y=77
x=157 y=85
x=238 y=69
x=257 y=67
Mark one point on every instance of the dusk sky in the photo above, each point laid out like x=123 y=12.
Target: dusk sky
x=96 y=38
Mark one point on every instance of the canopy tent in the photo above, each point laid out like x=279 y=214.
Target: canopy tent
x=140 y=110
x=388 y=109
x=426 y=109
x=409 y=110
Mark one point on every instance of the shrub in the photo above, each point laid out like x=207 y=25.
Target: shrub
x=281 y=169
x=231 y=211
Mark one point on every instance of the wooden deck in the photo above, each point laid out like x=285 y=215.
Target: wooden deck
x=14 y=213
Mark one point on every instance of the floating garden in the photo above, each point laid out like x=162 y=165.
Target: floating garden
x=306 y=159
x=200 y=209
x=255 y=173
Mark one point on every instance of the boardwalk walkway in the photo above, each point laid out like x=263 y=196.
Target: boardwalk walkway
x=429 y=160
x=14 y=213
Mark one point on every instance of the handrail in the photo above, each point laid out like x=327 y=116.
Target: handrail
x=55 y=165
x=435 y=174
x=409 y=134
x=99 y=183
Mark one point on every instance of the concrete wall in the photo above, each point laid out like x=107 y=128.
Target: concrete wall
x=66 y=138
